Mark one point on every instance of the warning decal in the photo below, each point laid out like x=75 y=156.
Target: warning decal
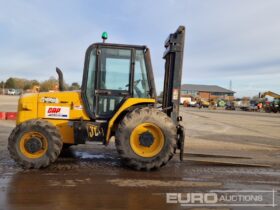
x=175 y=94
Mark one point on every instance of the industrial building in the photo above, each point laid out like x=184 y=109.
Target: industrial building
x=206 y=92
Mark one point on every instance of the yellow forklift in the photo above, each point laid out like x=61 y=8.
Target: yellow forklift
x=117 y=98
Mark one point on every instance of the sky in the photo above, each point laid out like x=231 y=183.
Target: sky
x=237 y=40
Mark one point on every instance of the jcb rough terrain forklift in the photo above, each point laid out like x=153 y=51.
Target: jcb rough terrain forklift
x=117 y=98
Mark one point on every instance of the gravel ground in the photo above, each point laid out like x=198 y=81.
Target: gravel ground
x=8 y=103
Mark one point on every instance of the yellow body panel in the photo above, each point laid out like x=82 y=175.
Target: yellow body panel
x=71 y=100
x=34 y=106
x=43 y=105
x=27 y=108
x=66 y=130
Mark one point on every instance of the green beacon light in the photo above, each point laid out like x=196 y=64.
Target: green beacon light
x=104 y=36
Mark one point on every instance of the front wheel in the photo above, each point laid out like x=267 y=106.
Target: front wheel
x=35 y=144
x=146 y=139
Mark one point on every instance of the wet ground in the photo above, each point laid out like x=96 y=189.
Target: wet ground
x=224 y=151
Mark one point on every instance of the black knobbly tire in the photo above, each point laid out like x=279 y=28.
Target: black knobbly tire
x=181 y=142
x=131 y=121
x=44 y=128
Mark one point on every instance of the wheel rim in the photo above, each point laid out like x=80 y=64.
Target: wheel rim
x=147 y=140
x=33 y=144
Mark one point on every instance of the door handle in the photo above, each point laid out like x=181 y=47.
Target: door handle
x=105 y=92
x=123 y=94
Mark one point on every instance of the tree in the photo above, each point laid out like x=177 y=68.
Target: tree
x=19 y=83
x=27 y=86
x=34 y=82
x=75 y=86
x=50 y=84
x=10 y=83
x=2 y=86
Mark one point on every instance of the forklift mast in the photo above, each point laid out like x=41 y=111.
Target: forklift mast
x=173 y=56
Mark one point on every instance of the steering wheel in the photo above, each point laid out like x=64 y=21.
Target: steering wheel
x=137 y=90
x=135 y=83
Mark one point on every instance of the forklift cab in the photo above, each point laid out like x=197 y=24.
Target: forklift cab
x=114 y=73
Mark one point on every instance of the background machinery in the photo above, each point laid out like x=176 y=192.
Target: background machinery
x=271 y=106
x=117 y=98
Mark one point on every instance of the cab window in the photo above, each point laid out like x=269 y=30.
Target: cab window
x=115 y=69
x=141 y=85
x=91 y=79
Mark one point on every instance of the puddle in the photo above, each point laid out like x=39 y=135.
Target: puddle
x=68 y=182
x=157 y=183
x=86 y=155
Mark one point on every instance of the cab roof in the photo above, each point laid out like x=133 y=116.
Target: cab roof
x=117 y=45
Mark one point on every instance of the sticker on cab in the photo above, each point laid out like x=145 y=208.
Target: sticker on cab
x=78 y=107
x=175 y=94
x=50 y=100
x=57 y=112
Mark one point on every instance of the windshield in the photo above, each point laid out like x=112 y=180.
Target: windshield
x=115 y=69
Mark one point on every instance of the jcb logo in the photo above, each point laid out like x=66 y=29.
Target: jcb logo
x=95 y=131
x=54 y=110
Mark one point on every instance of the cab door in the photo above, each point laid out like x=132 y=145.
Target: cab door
x=113 y=80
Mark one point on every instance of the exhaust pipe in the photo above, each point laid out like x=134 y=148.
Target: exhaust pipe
x=60 y=79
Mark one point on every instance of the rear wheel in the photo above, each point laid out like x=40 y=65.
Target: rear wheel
x=35 y=144
x=146 y=139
